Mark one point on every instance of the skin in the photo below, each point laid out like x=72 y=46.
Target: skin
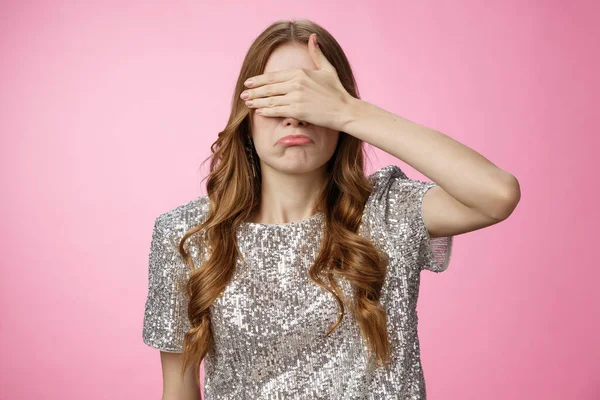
x=292 y=176
x=471 y=192
x=174 y=386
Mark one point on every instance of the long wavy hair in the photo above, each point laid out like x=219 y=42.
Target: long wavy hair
x=234 y=193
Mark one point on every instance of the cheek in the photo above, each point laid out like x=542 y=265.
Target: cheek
x=263 y=140
x=263 y=125
x=332 y=139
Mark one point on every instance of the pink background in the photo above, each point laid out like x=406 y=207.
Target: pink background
x=108 y=108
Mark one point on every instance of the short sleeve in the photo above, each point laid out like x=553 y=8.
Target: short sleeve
x=399 y=200
x=165 y=315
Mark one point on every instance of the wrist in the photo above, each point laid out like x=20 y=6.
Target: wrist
x=351 y=112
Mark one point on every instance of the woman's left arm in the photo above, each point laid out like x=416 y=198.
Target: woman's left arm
x=472 y=192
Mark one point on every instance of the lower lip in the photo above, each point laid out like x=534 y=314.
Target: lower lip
x=295 y=141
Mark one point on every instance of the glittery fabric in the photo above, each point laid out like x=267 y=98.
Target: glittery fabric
x=270 y=322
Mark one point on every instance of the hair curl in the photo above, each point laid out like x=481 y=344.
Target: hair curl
x=234 y=194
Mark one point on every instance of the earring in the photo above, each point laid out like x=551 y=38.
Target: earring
x=250 y=155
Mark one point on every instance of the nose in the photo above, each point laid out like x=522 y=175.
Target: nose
x=293 y=121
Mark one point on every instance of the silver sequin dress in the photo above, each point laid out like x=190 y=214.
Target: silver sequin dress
x=270 y=322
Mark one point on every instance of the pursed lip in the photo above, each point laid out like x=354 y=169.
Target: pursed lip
x=295 y=136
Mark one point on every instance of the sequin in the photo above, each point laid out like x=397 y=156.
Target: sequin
x=269 y=323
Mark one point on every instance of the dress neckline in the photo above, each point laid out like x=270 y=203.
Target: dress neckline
x=294 y=224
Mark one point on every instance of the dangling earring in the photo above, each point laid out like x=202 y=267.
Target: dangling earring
x=250 y=155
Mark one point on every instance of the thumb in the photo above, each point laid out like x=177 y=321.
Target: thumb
x=315 y=51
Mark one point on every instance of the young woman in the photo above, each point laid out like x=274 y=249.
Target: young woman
x=297 y=276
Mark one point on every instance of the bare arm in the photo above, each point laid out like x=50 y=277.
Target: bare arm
x=174 y=386
x=472 y=192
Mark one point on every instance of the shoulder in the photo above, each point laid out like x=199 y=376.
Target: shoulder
x=387 y=173
x=395 y=199
x=384 y=176
x=170 y=226
x=184 y=216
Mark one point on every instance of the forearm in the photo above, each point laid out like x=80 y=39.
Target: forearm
x=182 y=395
x=176 y=386
x=462 y=172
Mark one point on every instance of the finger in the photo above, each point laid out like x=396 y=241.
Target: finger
x=268 y=90
x=317 y=55
x=271 y=101
x=270 y=77
x=280 y=111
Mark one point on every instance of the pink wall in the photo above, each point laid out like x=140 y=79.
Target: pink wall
x=107 y=110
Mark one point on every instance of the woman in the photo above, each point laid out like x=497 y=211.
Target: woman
x=297 y=276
